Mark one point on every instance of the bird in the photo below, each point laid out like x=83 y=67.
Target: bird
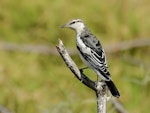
x=92 y=53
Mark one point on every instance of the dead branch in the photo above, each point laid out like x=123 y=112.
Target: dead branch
x=127 y=45
x=50 y=50
x=98 y=87
x=4 y=109
x=118 y=106
x=41 y=49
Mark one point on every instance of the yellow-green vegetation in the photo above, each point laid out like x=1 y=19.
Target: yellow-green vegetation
x=36 y=83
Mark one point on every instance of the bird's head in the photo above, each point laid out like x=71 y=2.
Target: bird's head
x=75 y=24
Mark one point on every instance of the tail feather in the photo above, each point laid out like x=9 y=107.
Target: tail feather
x=113 y=89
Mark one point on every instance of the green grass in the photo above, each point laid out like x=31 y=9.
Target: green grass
x=34 y=83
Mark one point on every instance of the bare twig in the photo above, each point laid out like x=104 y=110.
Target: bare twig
x=126 y=45
x=45 y=49
x=118 y=106
x=4 y=109
x=73 y=67
x=41 y=49
x=98 y=87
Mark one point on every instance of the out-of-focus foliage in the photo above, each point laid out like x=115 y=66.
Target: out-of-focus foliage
x=34 y=83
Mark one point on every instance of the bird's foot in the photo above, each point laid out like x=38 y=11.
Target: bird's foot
x=81 y=70
x=97 y=77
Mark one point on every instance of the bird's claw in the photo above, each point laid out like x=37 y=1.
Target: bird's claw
x=81 y=70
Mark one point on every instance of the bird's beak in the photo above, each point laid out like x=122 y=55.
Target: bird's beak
x=64 y=26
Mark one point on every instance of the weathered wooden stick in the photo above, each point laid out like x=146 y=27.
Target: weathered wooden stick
x=99 y=87
x=50 y=50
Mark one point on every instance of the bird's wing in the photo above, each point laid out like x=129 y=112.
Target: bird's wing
x=97 y=56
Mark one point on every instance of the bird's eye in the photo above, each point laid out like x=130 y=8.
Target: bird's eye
x=72 y=22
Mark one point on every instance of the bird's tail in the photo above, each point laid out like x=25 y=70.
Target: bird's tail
x=113 y=89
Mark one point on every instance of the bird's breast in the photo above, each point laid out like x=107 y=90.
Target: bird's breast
x=82 y=45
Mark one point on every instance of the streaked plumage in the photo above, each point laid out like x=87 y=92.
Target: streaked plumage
x=92 y=53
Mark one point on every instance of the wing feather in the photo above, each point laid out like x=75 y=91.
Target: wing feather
x=96 y=57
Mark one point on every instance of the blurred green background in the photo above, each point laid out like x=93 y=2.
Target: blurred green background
x=38 y=83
